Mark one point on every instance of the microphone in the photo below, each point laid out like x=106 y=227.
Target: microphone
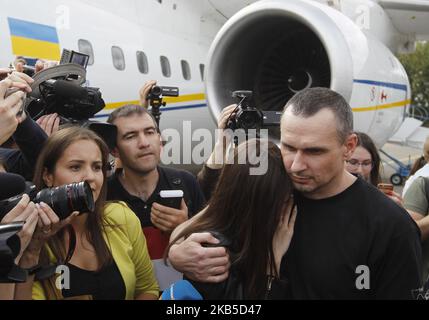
x=181 y=290
x=67 y=89
x=11 y=185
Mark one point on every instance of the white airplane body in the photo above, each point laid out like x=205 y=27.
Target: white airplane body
x=264 y=46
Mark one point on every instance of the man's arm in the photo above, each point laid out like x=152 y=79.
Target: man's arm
x=199 y=263
x=417 y=205
x=30 y=139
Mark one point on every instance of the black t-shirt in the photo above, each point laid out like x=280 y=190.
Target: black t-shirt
x=358 y=227
x=169 y=179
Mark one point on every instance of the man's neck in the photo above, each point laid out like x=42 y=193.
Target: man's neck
x=139 y=185
x=336 y=186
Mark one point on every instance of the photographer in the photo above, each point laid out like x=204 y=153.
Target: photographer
x=26 y=133
x=28 y=212
x=110 y=259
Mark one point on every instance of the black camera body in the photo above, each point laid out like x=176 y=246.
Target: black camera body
x=247 y=117
x=66 y=99
x=10 y=246
x=156 y=96
x=158 y=92
x=63 y=200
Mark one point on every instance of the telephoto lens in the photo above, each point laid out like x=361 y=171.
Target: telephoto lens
x=67 y=199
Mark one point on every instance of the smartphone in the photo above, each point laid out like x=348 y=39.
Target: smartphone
x=385 y=187
x=171 y=198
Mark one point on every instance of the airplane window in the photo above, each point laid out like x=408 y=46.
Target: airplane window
x=186 y=70
x=165 y=66
x=142 y=62
x=118 y=58
x=86 y=47
x=202 y=67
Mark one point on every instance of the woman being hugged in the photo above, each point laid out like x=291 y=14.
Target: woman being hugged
x=251 y=213
x=110 y=258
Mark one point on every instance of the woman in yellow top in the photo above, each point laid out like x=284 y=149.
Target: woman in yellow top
x=110 y=260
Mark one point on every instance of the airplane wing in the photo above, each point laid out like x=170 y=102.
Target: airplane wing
x=409 y=16
x=411 y=134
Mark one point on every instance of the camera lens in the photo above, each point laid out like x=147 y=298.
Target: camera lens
x=156 y=91
x=67 y=199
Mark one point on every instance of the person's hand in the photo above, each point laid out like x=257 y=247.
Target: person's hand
x=45 y=64
x=144 y=92
x=199 y=263
x=4 y=73
x=49 y=123
x=167 y=219
x=48 y=225
x=10 y=108
x=24 y=211
x=219 y=153
x=395 y=197
x=21 y=81
x=284 y=233
x=226 y=114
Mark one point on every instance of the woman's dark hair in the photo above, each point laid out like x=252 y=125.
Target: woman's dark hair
x=366 y=142
x=246 y=209
x=417 y=165
x=53 y=150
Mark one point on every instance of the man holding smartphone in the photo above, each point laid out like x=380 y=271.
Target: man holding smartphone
x=141 y=181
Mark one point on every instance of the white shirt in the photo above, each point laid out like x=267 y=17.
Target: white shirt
x=423 y=172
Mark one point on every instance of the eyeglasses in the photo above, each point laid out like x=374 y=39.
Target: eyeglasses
x=355 y=164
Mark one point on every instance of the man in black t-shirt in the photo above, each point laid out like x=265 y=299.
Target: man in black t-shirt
x=350 y=240
x=140 y=181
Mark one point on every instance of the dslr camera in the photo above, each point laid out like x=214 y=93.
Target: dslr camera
x=63 y=200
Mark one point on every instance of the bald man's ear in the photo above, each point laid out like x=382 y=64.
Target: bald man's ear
x=350 y=146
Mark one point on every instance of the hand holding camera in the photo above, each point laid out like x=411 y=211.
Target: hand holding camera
x=11 y=104
x=24 y=211
x=145 y=92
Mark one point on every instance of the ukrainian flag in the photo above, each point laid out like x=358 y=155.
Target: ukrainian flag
x=34 y=40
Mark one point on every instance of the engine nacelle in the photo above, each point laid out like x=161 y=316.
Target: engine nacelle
x=277 y=48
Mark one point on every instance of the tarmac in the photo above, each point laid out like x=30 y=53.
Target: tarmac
x=404 y=154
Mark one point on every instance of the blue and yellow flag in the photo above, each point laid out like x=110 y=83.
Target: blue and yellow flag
x=34 y=40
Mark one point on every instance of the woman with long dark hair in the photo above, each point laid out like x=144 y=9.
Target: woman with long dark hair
x=365 y=161
x=110 y=258
x=253 y=215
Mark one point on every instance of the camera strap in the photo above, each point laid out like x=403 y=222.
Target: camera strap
x=49 y=271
